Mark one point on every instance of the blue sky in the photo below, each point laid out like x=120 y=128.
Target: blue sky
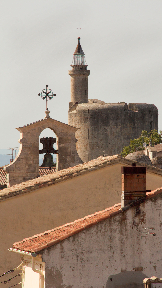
x=122 y=41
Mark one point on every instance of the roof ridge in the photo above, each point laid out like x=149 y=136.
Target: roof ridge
x=59 y=176
x=35 y=122
x=55 y=177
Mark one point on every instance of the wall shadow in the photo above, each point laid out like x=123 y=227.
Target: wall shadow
x=126 y=279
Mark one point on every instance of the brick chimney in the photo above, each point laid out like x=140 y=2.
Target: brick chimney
x=133 y=183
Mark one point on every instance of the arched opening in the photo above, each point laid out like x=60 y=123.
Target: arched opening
x=48 y=146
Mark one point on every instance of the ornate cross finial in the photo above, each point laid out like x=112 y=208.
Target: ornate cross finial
x=45 y=94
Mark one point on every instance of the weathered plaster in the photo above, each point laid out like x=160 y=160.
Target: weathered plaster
x=118 y=252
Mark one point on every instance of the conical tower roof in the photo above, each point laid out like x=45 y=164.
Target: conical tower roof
x=79 y=49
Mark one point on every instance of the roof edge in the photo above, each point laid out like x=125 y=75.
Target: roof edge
x=62 y=175
x=110 y=212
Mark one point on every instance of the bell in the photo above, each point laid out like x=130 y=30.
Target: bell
x=48 y=161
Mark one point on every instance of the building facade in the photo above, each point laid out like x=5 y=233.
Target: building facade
x=115 y=248
x=51 y=201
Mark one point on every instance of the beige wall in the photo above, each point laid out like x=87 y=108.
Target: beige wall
x=43 y=209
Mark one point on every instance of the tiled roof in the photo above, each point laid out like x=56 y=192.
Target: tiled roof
x=62 y=175
x=59 y=176
x=44 y=240
x=51 y=237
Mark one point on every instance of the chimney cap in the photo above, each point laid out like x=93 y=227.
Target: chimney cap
x=133 y=170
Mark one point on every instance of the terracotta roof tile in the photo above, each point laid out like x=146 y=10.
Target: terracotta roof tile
x=62 y=175
x=51 y=237
x=44 y=240
x=153 y=193
x=59 y=176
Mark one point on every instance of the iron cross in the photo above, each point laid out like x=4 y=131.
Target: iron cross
x=46 y=94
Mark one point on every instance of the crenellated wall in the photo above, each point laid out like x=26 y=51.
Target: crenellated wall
x=106 y=128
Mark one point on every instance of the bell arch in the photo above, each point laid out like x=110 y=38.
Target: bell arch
x=26 y=164
x=48 y=158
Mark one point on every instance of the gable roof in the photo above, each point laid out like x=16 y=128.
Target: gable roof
x=62 y=175
x=48 y=121
x=49 y=238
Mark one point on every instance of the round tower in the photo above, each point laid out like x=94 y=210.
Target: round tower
x=79 y=77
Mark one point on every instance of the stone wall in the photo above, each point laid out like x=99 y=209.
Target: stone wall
x=106 y=128
x=26 y=164
x=117 y=252
x=79 y=83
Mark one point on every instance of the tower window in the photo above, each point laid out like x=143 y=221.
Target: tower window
x=151 y=125
x=85 y=92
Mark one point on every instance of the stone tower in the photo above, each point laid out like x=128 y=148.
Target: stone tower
x=79 y=77
x=103 y=128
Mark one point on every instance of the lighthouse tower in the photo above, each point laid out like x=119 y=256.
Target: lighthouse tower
x=79 y=77
x=103 y=128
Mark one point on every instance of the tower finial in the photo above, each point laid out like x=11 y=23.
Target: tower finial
x=79 y=56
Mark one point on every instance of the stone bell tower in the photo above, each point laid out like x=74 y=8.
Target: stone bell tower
x=79 y=77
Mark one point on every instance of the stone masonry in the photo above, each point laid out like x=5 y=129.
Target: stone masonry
x=104 y=128
x=26 y=164
x=79 y=83
x=79 y=77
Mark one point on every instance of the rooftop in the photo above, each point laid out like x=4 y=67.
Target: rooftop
x=157 y=148
x=45 y=120
x=44 y=240
x=51 y=237
x=62 y=175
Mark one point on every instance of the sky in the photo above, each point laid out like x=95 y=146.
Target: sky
x=122 y=41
